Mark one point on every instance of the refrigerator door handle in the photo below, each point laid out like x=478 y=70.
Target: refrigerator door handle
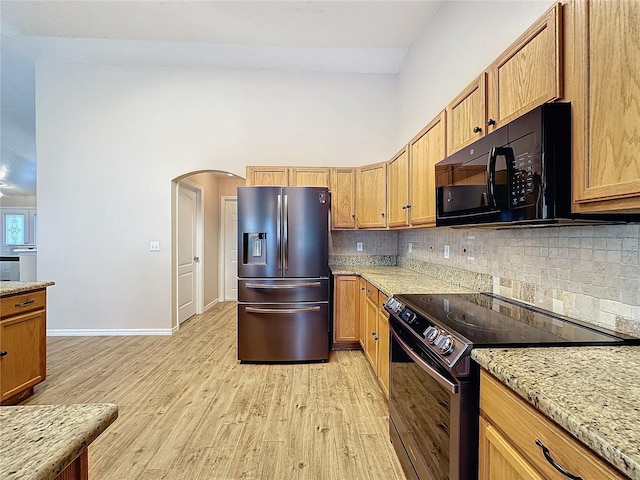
x=283 y=286
x=285 y=233
x=282 y=310
x=278 y=229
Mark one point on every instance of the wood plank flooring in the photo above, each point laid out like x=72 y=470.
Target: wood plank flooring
x=188 y=410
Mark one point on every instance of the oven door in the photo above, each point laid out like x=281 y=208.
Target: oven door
x=433 y=416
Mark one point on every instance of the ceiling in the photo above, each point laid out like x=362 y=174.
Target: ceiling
x=365 y=36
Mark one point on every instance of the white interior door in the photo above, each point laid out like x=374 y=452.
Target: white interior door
x=187 y=252
x=230 y=248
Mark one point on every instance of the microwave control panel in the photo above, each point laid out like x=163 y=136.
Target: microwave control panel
x=523 y=189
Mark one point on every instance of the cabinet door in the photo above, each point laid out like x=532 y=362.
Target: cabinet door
x=267 y=176
x=24 y=363
x=372 y=196
x=466 y=116
x=383 y=351
x=398 y=189
x=309 y=177
x=425 y=150
x=362 y=311
x=343 y=194
x=602 y=81
x=528 y=74
x=345 y=319
x=371 y=334
x=499 y=460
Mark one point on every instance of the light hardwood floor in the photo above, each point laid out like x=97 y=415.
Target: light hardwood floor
x=188 y=410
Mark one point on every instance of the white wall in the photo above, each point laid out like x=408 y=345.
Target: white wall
x=110 y=140
x=462 y=40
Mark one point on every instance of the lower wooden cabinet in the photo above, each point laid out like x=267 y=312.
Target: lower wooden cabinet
x=513 y=435
x=76 y=470
x=346 y=312
x=376 y=341
x=23 y=345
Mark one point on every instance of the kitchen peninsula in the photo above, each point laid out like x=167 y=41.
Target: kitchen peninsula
x=23 y=339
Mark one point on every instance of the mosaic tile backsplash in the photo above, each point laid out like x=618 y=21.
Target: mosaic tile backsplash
x=589 y=273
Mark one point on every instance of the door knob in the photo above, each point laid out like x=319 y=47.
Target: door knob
x=196 y=259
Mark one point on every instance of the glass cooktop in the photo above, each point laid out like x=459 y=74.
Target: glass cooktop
x=489 y=320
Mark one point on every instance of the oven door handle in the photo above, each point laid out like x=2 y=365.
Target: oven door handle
x=452 y=387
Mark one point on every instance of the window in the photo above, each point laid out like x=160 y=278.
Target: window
x=18 y=226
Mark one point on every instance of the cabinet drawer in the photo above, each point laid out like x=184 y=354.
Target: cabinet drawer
x=372 y=293
x=22 y=303
x=523 y=425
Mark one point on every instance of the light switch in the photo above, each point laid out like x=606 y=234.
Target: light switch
x=410 y=247
x=154 y=246
x=359 y=246
x=446 y=251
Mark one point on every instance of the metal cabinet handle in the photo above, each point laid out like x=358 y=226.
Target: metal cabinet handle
x=382 y=214
x=281 y=286
x=490 y=122
x=24 y=304
x=554 y=464
x=281 y=310
x=3 y=353
x=476 y=129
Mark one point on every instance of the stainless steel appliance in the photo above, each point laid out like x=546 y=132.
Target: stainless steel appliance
x=520 y=173
x=434 y=385
x=283 y=286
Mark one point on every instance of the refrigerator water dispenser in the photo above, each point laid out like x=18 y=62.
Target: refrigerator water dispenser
x=255 y=248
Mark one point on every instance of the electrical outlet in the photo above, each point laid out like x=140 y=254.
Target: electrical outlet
x=359 y=246
x=446 y=251
x=154 y=246
x=410 y=247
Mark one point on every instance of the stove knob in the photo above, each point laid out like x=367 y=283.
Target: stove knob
x=446 y=345
x=430 y=334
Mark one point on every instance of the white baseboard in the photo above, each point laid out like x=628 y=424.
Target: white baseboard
x=107 y=332
x=207 y=307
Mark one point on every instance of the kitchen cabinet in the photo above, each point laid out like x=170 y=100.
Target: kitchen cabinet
x=602 y=82
x=343 y=195
x=346 y=312
x=528 y=73
x=23 y=345
x=510 y=430
x=425 y=150
x=76 y=470
x=309 y=177
x=362 y=311
x=376 y=341
x=466 y=115
x=288 y=176
x=371 y=193
x=398 y=189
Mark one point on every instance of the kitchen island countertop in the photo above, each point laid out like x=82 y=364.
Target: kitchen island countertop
x=10 y=288
x=592 y=392
x=39 y=441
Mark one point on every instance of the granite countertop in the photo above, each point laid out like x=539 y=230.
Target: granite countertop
x=593 y=392
x=10 y=288
x=39 y=441
x=396 y=280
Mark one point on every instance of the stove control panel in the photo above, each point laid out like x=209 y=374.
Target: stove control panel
x=443 y=343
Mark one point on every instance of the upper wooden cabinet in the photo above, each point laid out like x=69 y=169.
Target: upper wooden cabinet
x=425 y=150
x=467 y=116
x=371 y=193
x=602 y=81
x=528 y=73
x=398 y=189
x=309 y=177
x=267 y=176
x=343 y=198
x=288 y=176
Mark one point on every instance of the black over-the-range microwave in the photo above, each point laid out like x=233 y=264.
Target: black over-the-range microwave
x=518 y=174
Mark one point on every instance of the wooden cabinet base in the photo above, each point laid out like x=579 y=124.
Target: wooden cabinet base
x=18 y=397
x=77 y=470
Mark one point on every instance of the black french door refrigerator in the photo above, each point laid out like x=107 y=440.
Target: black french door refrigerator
x=283 y=274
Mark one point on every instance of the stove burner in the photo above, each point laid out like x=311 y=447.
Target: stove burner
x=472 y=322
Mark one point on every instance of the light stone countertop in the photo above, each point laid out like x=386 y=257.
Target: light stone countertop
x=37 y=442
x=593 y=392
x=10 y=288
x=397 y=280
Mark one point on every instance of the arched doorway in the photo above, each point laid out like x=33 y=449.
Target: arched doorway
x=200 y=201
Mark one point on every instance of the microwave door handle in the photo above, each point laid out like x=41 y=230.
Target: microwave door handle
x=491 y=171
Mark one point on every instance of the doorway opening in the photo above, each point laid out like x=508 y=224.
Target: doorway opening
x=203 y=237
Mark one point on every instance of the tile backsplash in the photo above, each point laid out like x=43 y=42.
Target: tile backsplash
x=590 y=273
